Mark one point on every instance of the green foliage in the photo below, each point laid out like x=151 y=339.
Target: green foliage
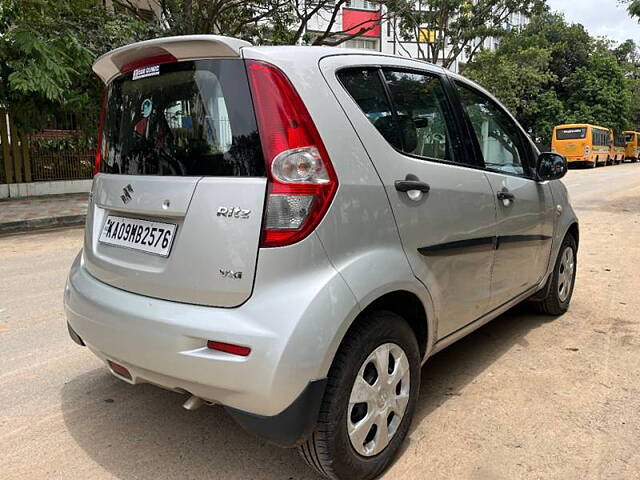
x=270 y=22
x=599 y=93
x=52 y=145
x=258 y=21
x=634 y=7
x=46 y=51
x=520 y=77
x=552 y=72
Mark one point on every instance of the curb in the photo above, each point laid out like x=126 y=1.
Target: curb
x=40 y=223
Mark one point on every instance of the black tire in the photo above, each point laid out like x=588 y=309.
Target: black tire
x=553 y=304
x=329 y=450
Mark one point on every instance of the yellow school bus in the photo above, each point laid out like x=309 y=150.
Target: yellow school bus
x=631 y=140
x=582 y=143
x=618 y=148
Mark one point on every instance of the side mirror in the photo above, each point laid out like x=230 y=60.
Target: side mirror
x=551 y=166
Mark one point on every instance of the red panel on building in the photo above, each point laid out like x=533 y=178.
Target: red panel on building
x=354 y=20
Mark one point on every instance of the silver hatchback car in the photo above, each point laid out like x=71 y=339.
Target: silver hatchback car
x=291 y=232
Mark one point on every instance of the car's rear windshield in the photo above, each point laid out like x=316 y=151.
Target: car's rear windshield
x=185 y=119
x=571 y=133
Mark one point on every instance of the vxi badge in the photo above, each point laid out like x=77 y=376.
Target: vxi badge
x=233 y=212
x=230 y=274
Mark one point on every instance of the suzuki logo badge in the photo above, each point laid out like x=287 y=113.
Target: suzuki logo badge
x=126 y=196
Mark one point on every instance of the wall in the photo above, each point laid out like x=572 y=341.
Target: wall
x=17 y=190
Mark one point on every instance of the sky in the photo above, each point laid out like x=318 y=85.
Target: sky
x=600 y=17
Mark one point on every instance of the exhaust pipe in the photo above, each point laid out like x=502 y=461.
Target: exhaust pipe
x=193 y=403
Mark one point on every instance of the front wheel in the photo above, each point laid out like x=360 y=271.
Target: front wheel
x=369 y=402
x=557 y=300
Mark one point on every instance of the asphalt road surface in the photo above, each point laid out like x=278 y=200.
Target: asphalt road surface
x=524 y=397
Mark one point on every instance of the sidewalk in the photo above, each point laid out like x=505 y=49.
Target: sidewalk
x=31 y=213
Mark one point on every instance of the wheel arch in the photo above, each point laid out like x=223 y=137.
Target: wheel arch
x=574 y=230
x=406 y=303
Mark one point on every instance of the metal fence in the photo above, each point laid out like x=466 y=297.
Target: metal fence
x=55 y=153
x=63 y=165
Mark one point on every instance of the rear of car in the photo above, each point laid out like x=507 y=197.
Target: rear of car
x=211 y=178
x=241 y=245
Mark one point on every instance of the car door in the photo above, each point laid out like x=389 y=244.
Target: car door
x=442 y=202
x=524 y=206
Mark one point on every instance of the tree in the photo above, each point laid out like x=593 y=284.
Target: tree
x=599 y=93
x=520 y=75
x=46 y=51
x=629 y=58
x=459 y=26
x=269 y=21
x=552 y=72
x=329 y=11
x=256 y=21
x=634 y=7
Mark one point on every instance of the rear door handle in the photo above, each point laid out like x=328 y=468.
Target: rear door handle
x=408 y=185
x=505 y=195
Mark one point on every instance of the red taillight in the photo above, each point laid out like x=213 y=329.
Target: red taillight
x=229 y=348
x=103 y=107
x=302 y=181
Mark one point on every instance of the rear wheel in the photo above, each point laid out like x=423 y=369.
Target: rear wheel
x=369 y=402
x=562 y=280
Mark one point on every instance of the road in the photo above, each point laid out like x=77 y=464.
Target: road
x=524 y=397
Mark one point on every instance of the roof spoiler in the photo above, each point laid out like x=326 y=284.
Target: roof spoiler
x=187 y=47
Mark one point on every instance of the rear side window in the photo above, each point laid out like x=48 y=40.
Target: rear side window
x=415 y=119
x=366 y=89
x=185 y=119
x=571 y=133
x=423 y=114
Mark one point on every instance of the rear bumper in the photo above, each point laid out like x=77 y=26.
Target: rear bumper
x=286 y=429
x=164 y=343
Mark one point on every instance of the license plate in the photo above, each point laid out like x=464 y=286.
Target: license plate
x=150 y=237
